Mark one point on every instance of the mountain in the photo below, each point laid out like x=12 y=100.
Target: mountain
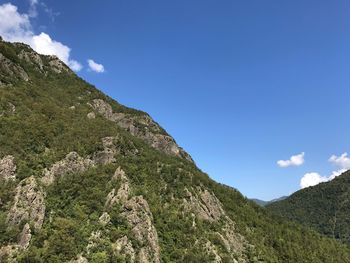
x=265 y=203
x=324 y=207
x=86 y=179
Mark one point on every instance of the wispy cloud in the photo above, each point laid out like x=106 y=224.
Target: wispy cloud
x=99 y=68
x=295 y=160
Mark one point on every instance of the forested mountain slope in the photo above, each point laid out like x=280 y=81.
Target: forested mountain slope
x=85 y=179
x=324 y=207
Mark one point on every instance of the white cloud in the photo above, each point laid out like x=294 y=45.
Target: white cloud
x=311 y=179
x=295 y=160
x=16 y=27
x=95 y=66
x=343 y=161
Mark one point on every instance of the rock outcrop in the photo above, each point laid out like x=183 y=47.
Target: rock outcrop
x=143 y=127
x=32 y=58
x=137 y=213
x=122 y=194
x=123 y=246
x=206 y=206
x=57 y=65
x=9 y=69
x=7 y=168
x=72 y=163
x=25 y=237
x=28 y=204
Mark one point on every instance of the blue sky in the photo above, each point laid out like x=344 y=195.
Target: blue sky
x=239 y=84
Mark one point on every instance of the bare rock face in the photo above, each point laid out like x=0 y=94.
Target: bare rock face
x=122 y=194
x=91 y=115
x=8 y=168
x=32 y=57
x=72 y=163
x=104 y=219
x=112 y=147
x=29 y=204
x=7 y=253
x=138 y=215
x=211 y=250
x=124 y=247
x=107 y=155
x=57 y=65
x=10 y=69
x=142 y=127
x=25 y=237
x=94 y=239
x=205 y=205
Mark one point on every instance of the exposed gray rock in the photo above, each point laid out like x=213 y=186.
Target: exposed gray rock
x=11 y=69
x=25 y=237
x=57 y=65
x=137 y=213
x=94 y=239
x=107 y=155
x=233 y=241
x=104 y=219
x=204 y=204
x=122 y=194
x=8 y=168
x=31 y=57
x=8 y=253
x=72 y=163
x=28 y=205
x=106 y=110
x=111 y=147
x=91 y=115
x=210 y=249
x=124 y=248
x=143 y=127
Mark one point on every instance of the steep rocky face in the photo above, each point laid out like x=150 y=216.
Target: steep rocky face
x=29 y=205
x=137 y=213
x=8 y=168
x=72 y=163
x=9 y=69
x=141 y=126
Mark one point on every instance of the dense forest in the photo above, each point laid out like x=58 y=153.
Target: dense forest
x=324 y=207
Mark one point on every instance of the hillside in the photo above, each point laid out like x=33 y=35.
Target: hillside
x=85 y=179
x=324 y=207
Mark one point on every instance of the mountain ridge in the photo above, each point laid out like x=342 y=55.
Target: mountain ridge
x=86 y=179
x=324 y=207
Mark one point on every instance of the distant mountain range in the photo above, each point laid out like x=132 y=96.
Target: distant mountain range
x=265 y=203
